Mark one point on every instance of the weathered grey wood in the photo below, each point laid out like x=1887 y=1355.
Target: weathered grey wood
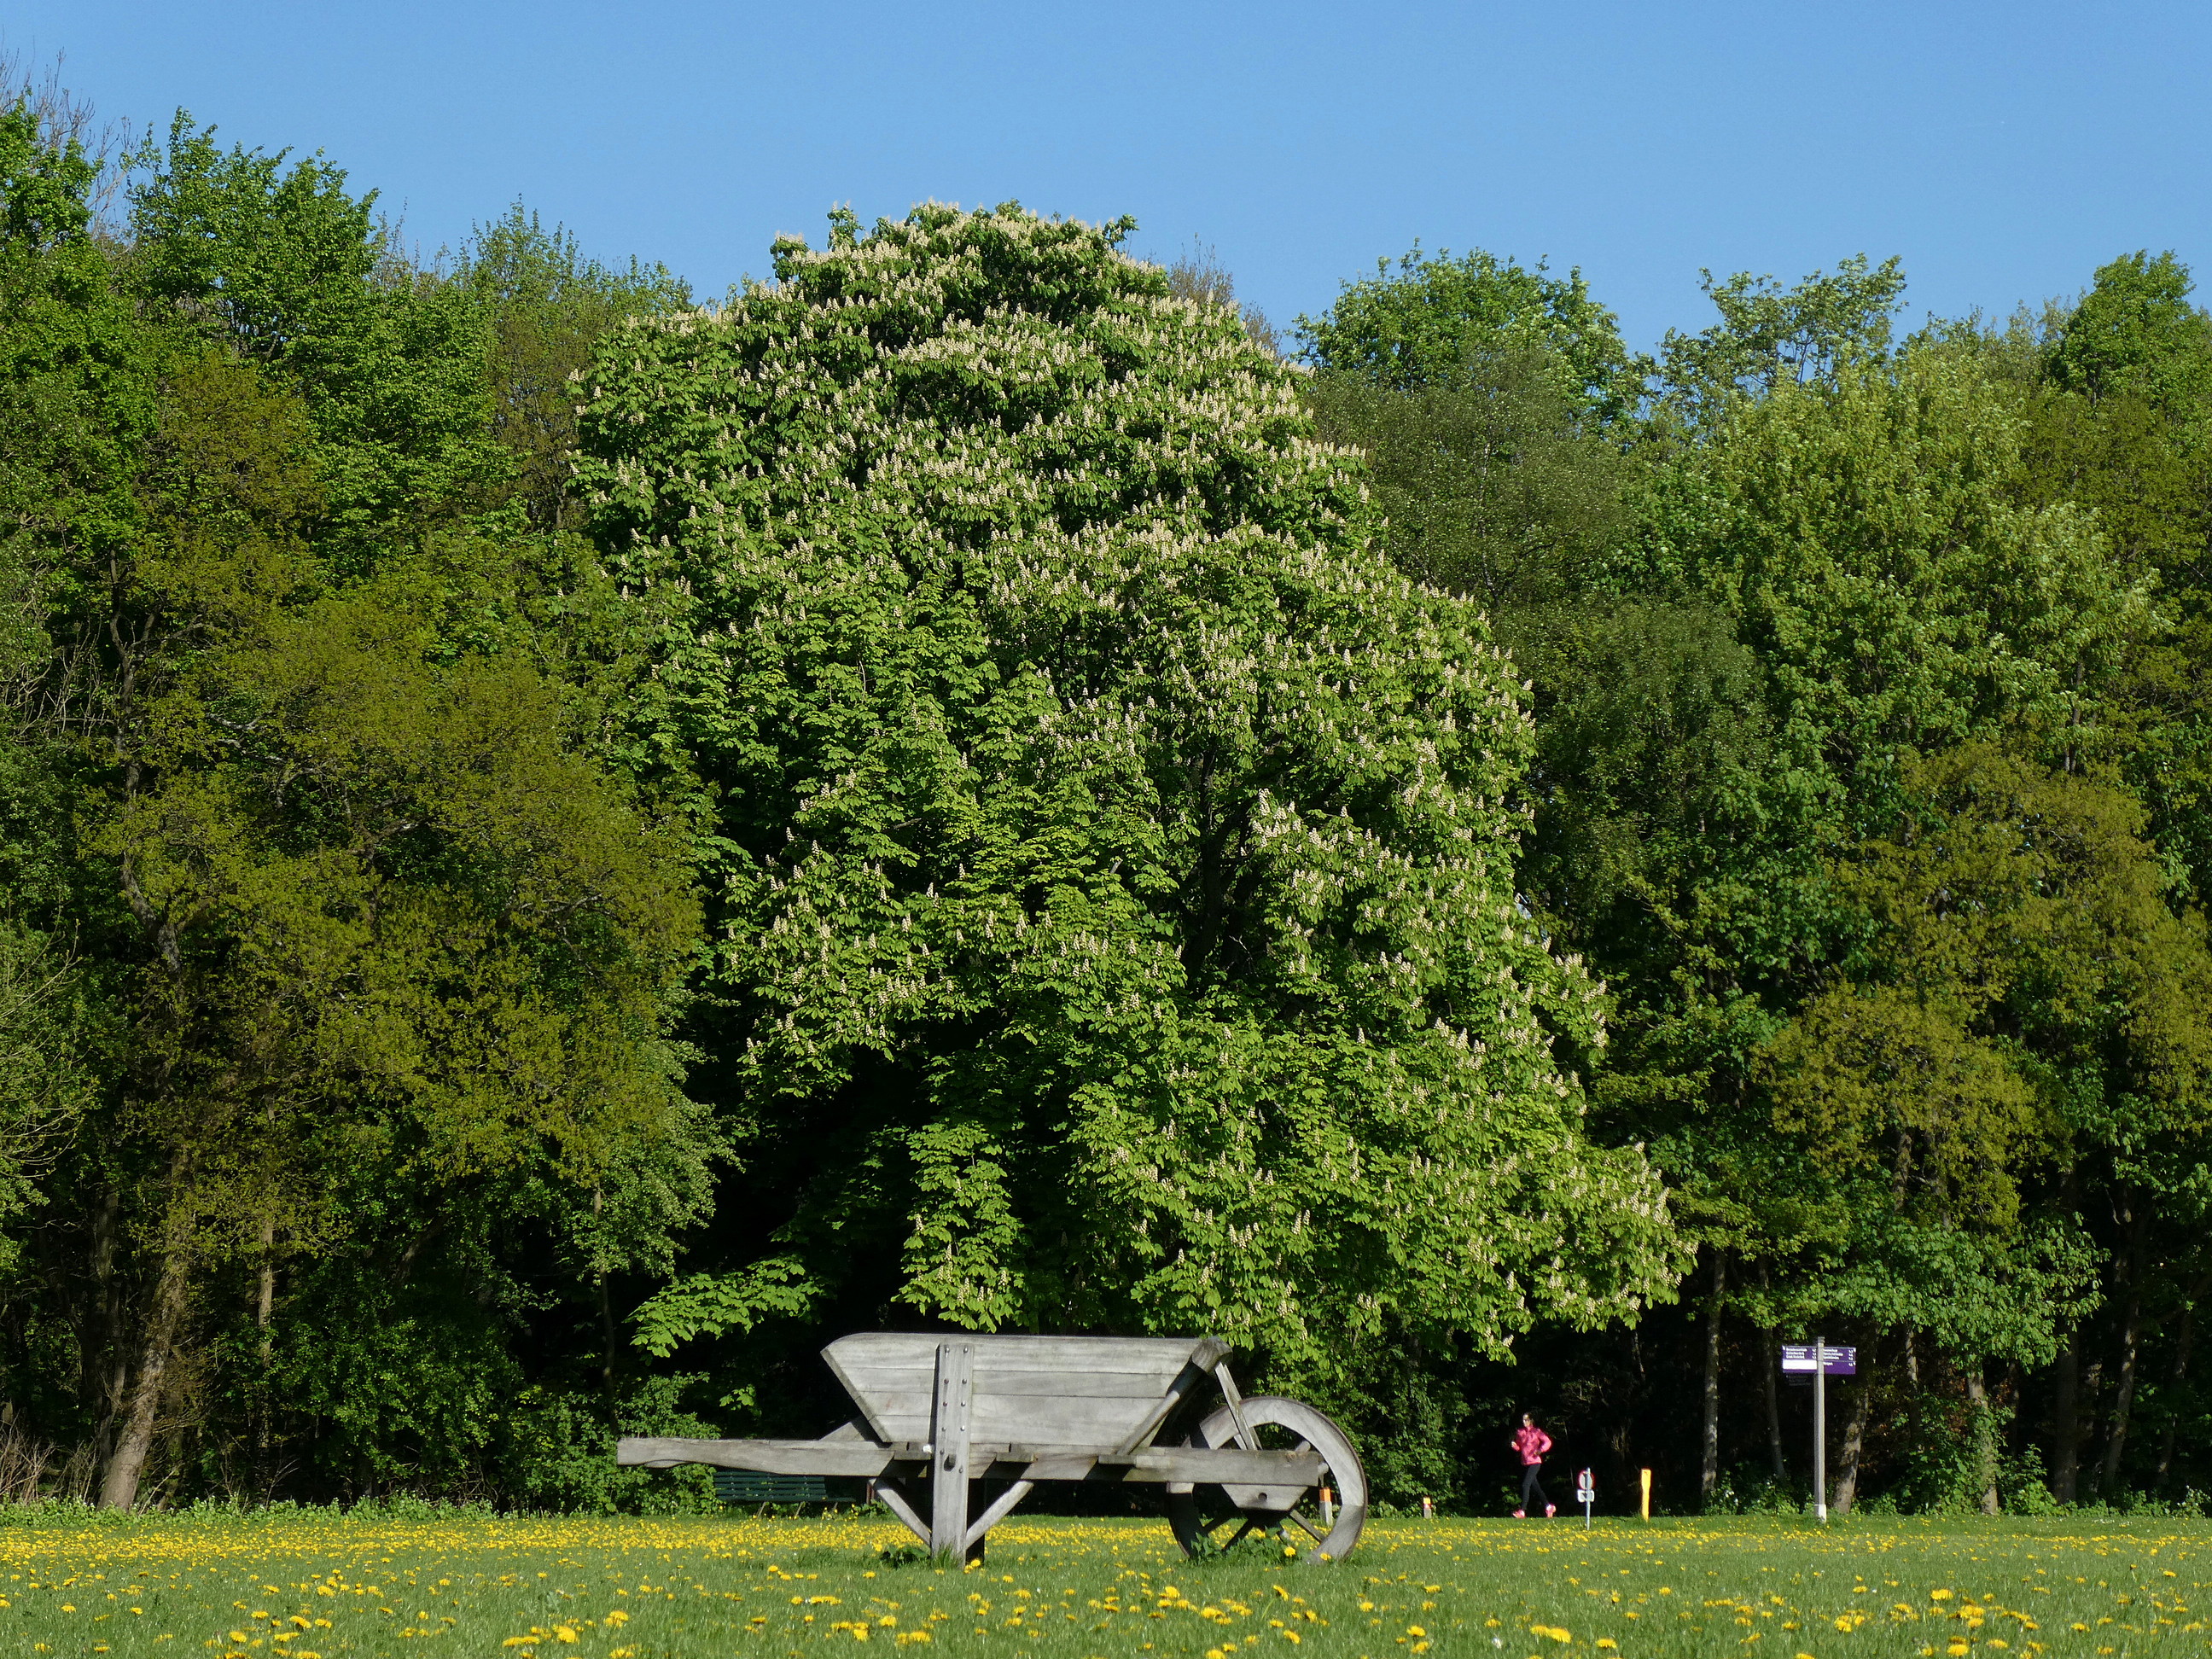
x=914 y=1397
x=1290 y=1470
x=998 y=1512
x=1207 y=1353
x=1263 y=1501
x=1060 y=1465
x=1223 y=1464
x=853 y=1458
x=876 y=1366
x=1058 y=1420
x=1105 y=1382
x=861 y=1459
x=897 y=1390
x=1042 y=1409
x=948 y=1466
x=1236 y=1402
x=1041 y=1353
x=895 y=1500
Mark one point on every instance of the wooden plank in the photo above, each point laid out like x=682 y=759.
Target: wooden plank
x=1145 y=1385
x=1235 y=1405
x=1225 y=1466
x=854 y=1457
x=1061 y=1466
x=997 y=1512
x=1128 y=1354
x=948 y=1467
x=898 y=1404
x=1177 y=1390
x=870 y=1363
x=846 y=1358
x=1071 y=1420
x=1075 y=1420
x=917 y=1348
x=895 y=1500
x=1221 y=1464
x=883 y=1382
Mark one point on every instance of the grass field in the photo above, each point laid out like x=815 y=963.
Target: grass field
x=316 y=1587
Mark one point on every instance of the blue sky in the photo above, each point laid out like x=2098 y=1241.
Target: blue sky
x=2003 y=150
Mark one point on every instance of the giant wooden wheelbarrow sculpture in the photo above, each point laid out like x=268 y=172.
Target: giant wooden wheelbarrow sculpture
x=950 y=1410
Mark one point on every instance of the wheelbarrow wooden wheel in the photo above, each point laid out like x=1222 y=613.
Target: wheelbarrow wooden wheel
x=1208 y=1518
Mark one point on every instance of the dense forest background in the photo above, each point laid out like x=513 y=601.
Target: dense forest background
x=560 y=847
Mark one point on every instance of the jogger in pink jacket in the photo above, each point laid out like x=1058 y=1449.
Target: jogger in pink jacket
x=1532 y=1442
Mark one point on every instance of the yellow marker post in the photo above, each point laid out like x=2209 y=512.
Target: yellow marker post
x=1646 y=1473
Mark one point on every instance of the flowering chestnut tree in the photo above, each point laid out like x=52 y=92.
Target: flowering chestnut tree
x=1109 y=855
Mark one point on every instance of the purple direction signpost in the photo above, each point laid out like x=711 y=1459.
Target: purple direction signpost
x=1821 y=1361
x=1797 y=1360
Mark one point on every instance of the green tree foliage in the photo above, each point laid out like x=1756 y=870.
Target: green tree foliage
x=1866 y=542
x=64 y=440
x=2023 y=985
x=286 y=268
x=2118 y=385
x=1844 y=590
x=1860 y=540
x=2136 y=332
x=1420 y=324
x=1769 y=336
x=549 y=307
x=1111 y=869
x=304 y=760
x=1489 y=481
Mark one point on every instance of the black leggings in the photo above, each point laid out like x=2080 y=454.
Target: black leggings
x=1529 y=1483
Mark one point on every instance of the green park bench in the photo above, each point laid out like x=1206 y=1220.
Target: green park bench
x=750 y=1486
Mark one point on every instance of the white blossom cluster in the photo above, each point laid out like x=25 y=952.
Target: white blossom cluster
x=1083 y=766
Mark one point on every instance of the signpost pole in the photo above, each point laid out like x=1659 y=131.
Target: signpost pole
x=1819 y=1429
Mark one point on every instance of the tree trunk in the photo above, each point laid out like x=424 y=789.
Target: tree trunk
x=118 y=1487
x=1709 y=1466
x=1916 y=1403
x=2066 y=1398
x=105 y=1373
x=1774 y=1410
x=2180 y=1373
x=606 y=1315
x=2066 y=1420
x=2123 y=1396
x=1847 y=1488
x=1985 y=1439
x=264 y=1303
x=1769 y=1360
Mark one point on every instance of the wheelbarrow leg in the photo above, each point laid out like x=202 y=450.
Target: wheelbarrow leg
x=948 y=1460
